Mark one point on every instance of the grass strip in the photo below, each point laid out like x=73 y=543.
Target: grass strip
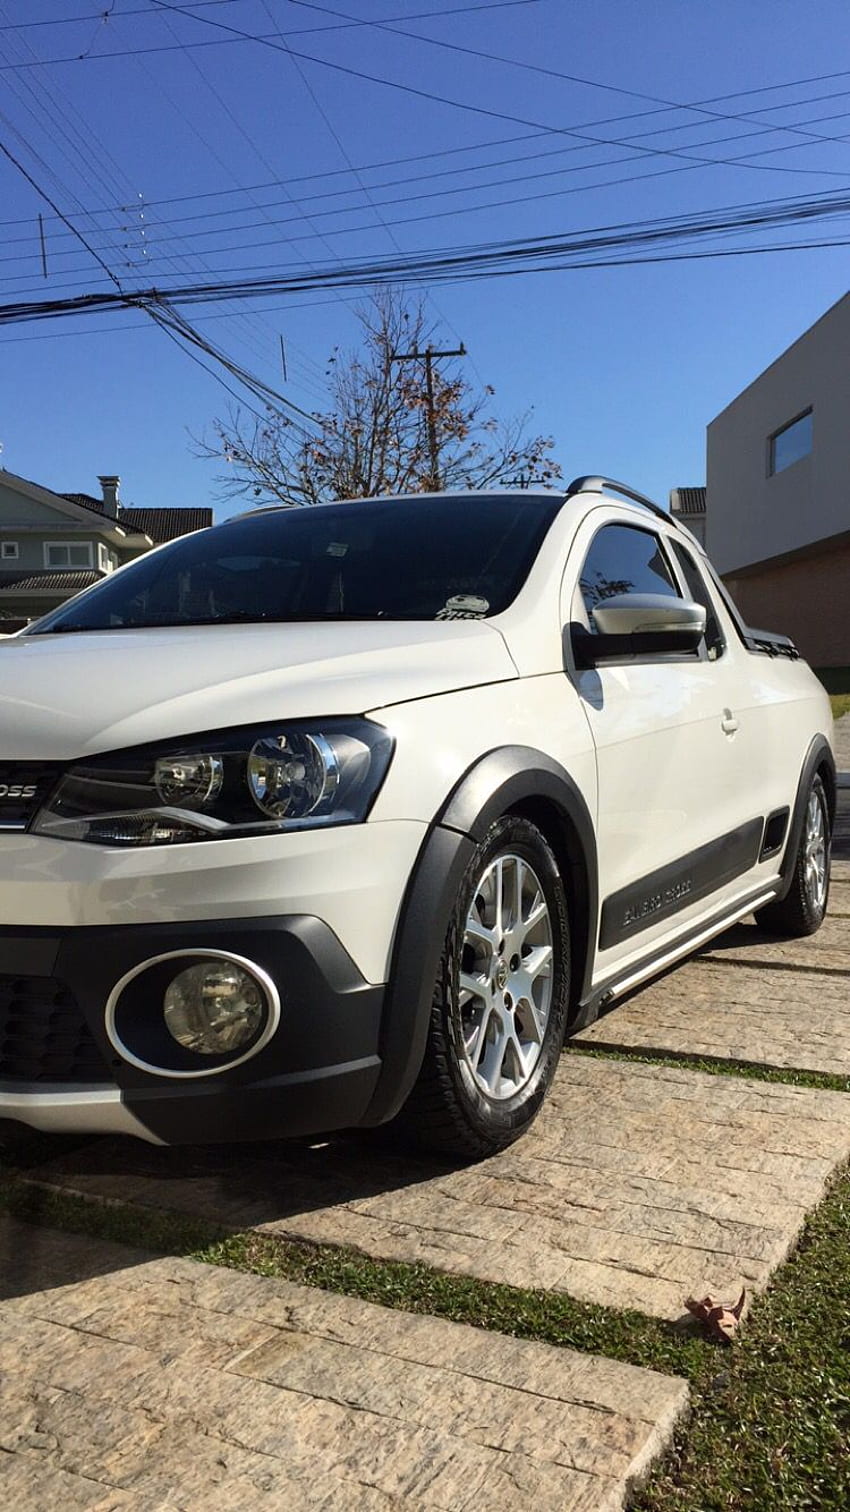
x=770 y=1426
x=822 y=1081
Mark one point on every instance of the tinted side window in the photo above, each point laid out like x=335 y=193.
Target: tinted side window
x=698 y=591
x=624 y=559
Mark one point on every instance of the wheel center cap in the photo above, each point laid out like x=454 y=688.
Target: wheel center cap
x=501 y=976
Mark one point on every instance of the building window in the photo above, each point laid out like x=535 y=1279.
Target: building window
x=790 y=444
x=105 y=559
x=67 y=554
x=9 y=551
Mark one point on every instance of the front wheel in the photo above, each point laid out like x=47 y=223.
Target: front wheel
x=802 y=910
x=501 y=999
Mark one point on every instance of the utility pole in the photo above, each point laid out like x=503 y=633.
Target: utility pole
x=429 y=357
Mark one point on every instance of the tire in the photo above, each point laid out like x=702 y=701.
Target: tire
x=500 y=1002
x=801 y=911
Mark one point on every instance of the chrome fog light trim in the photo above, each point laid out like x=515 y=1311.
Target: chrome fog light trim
x=261 y=977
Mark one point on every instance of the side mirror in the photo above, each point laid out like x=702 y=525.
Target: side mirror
x=630 y=626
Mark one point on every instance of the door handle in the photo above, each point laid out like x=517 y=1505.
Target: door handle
x=728 y=723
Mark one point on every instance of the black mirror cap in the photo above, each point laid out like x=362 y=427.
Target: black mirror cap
x=591 y=650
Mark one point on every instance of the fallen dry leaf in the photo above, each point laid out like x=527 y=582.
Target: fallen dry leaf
x=720 y=1322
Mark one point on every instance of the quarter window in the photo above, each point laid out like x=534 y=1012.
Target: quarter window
x=624 y=559
x=67 y=554
x=790 y=444
x=699 y=594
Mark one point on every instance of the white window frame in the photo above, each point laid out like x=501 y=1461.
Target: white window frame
x=105 y=560
x=68 y=566
x=10 y=551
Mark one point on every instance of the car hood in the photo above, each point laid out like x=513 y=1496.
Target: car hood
x=66 y=696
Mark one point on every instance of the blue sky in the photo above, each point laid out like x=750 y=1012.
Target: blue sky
x=193 y=153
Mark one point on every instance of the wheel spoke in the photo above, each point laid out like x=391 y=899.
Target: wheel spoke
x=489 y=1068
x=476 y=1036
x=539 y=959
x=537 y=912
x=476 y=985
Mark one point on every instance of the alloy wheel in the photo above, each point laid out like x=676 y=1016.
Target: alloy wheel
x=506 y=977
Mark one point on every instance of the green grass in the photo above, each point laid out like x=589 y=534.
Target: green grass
x=840 y=704
x=822 y=1081
x=771 y=1426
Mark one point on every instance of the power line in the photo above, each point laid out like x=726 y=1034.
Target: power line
x=497 y=259
x=432 y=96
x=462 y=209
x=536 y=68
x=451 y=152
x=301 y=31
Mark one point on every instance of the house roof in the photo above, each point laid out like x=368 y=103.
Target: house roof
x=163 y=524
x=85 y=501
x=47 y=582
x=687 y=501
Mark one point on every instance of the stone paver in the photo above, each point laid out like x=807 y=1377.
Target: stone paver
x=827 y=951
x=636 y=1186
x=727 y=1009
x=749 y=997
x=148 y=1383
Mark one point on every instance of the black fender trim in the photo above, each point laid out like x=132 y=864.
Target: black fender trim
x=516 y=778
x=819 y=758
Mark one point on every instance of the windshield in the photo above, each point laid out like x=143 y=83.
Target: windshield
x=460 y=557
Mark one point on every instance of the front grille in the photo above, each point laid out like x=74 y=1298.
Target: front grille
x=43 y=1035
x=24 y=785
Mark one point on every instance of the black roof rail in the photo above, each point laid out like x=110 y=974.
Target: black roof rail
x=591 y=484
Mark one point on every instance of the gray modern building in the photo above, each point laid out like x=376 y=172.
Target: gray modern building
x=778 y=493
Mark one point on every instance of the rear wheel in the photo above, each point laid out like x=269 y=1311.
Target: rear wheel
x=500 y=1000
x=802 y=910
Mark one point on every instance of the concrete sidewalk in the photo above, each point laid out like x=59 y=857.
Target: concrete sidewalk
x=141 y=1383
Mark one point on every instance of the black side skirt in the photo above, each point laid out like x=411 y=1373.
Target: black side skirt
x=673 y=887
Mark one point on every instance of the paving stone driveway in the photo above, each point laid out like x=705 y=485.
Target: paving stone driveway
x=638 y=1184
x=767 y=1002
x=140 y=1383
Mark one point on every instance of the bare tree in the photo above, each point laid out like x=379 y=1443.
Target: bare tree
x=382 y=429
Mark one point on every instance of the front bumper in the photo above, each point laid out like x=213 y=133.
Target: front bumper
x=59 y=1071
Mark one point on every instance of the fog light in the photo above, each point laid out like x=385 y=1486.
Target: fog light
x=214 y=1008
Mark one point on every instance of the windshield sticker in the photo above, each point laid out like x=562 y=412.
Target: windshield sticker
x=337 y=549
x=463 y=606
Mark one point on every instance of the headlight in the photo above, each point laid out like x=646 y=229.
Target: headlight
x=214 y=787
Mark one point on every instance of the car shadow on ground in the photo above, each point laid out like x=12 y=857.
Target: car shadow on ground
x=225 y=1188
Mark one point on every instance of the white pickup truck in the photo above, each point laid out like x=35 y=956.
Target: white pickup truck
x=322 y=817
